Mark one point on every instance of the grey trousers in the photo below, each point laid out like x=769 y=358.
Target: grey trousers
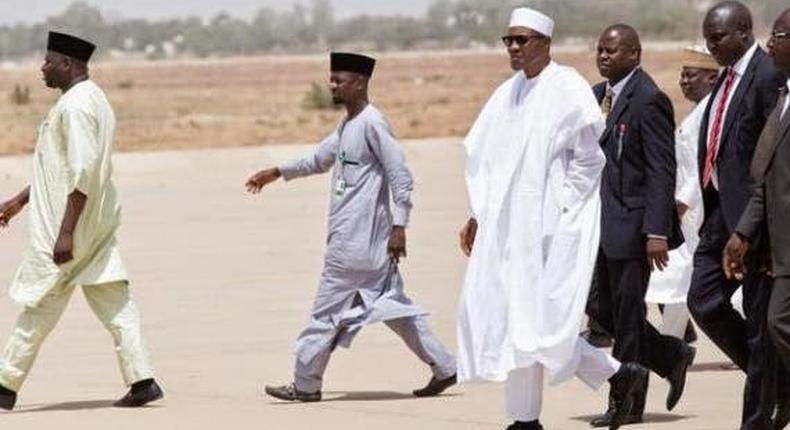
x=779 y=318
x=308 y=374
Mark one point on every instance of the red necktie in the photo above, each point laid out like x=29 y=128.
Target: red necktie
x=715 y=135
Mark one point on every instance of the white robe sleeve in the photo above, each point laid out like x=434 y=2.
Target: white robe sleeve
x=389 y=153
x=82 y=146
x=585 y=165
x=319 y=161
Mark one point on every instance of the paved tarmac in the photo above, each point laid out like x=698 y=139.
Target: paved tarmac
x=225 y=281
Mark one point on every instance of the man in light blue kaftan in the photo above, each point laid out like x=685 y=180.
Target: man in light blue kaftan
x=360 y=283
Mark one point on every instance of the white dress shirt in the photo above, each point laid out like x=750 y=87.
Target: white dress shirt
x=617 y=88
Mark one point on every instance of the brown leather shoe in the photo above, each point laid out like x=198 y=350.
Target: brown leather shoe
x=436 y=387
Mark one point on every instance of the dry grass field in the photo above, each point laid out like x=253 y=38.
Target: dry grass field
x=253 y=101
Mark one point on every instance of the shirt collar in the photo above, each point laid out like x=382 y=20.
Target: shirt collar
x=788 y=85
x=740 y=66
x=618 y=87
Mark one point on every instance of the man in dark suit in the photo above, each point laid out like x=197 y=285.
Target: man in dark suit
x=768 y=207
x=739 y=106
x=639 y=224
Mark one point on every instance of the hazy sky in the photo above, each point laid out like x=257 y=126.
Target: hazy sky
x=12 y=11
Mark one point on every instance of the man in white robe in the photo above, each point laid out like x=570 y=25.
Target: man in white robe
x=670 y=286
x=533 y=173
x=74 y=216
x=360 y=283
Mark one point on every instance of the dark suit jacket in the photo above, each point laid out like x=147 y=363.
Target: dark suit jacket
x=769 y=204
x=752 y=103
x=638 y=184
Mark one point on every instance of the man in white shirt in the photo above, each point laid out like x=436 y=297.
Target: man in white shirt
x=767 y=210
x=739 y=107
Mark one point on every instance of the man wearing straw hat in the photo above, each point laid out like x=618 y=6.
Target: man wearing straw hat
x=669 y=287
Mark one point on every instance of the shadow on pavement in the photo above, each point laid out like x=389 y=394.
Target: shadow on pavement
x=647 y=418
x=67 y=406
x=714 y=366
x=363 y=396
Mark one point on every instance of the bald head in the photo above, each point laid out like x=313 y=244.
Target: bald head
x=784 y=17
x=733 y=13
x=627 y=35
x=728 y=31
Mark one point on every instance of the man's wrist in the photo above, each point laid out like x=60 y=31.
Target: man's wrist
x=657 y=237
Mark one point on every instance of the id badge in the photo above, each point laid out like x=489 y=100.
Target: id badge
x=340 y=187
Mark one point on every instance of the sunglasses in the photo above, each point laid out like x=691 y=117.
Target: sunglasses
x=779 y=34
x=520 y=40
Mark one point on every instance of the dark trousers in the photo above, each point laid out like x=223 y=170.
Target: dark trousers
x=621 y=310
x=746 y=342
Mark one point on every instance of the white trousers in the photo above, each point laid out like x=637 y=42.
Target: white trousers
x=112 y=304
x=524 y=386
x=674 y=320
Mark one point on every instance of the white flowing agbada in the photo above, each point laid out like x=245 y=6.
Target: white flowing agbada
x=672 y=284
x=533 y=174
x=73 y=151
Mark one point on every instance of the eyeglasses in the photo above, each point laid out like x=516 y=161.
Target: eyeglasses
x=520 y=40
x=779 y=34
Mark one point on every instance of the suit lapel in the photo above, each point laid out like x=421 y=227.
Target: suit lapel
x=766 y=145
x=599 y=91
x=623 y=100
x=784 y=125
x=743 y=87
x=703 y=130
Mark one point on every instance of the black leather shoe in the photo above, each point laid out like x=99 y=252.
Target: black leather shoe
x=290 y=393
x=7 y=398
x=781 y=415
x=677 y=378
x=140 y=394
x=436 y=387
x=597 y=339
x=529 y=425
x=625 y=384
x=606 y=419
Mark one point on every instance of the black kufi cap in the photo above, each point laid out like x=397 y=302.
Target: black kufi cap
x=347 y=62
x=71 y=46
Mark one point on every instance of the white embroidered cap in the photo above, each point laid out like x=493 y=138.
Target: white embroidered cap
x=530 y=18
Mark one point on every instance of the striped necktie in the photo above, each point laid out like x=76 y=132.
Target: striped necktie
x=715 y=134
x=606 y=103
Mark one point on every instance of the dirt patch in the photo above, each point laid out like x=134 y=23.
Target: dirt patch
x=257 y=101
